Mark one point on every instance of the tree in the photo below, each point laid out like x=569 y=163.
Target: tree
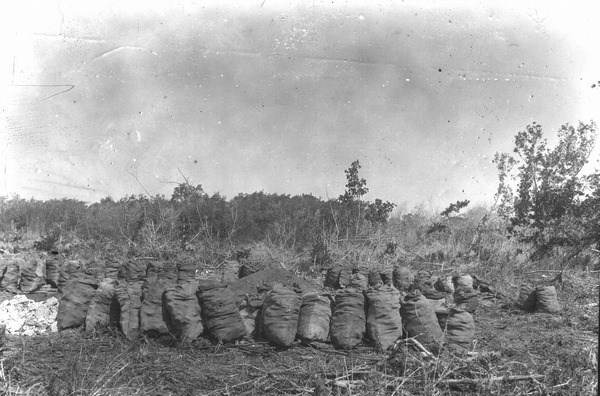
x=355 y=189
x=554 y=204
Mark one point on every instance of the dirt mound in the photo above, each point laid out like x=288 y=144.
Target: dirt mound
x=267 y=278
x=24 y=316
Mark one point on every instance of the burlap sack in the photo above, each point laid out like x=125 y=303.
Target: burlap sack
x=420 y=321
x=463 y=281
x=375 y=278
x=387 y=276
x=527 y=298
x=358 y=281
x=348 y=323
x=53 y=269
x=75 y=300
x=280 y=313
x=129 y=296
x=186 y=270
x=183 y=307
x=221 y=316
x=332 y=276
x=460 y=331
x=104 y=309
x=344 y=277
x=248 y=268
x=547 y=300
x=11 y=274
x=229 y=272
x=466 y=298
x=133 y=270
x=154 y=317
x=403 y=278
x=384 y=323
x=31 y=279
x=67 y=268
x=315 y=318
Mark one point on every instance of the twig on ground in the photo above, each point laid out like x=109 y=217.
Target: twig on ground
x=474 y=381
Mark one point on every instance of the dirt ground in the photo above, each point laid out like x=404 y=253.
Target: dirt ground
x=516 y=353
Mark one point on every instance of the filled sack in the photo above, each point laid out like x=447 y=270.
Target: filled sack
x=221 y=315
x=344 y=278
x=32 y=277
x=129 y=296
x=184 y=311
x=53 y=269
x=229 y=272
x=403 y=278
x=104 y=309
x=460 y=331
x=348 y=322
x=133 y=270
x=154 y=317
x=466 y=298
x=375 y=279
x=68 y=268
x=280 y=313
x=186 y=270
x=420 y=321
x=332 y=276
x=10 y=277
x=546 y=300
x=315 y=318
x=527 y=298
x=248 y=268
x=75 y=300
x=358 y=281
x=387 y=276
x=463 y=281
x=384 y=323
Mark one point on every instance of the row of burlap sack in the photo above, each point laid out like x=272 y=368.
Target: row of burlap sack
x=379 y=314
x=130 y=295
x=27 y=272
x=161 y=305
x=441 y=291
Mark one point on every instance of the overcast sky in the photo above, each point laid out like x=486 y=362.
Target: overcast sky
x=262 y=96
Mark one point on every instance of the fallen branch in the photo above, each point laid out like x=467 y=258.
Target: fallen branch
x=418 y=345
x=475 y=381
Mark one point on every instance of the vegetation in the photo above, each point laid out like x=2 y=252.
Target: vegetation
x=545 y=218
x=554 y=204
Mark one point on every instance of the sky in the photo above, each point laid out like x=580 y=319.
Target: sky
x=117 y=98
